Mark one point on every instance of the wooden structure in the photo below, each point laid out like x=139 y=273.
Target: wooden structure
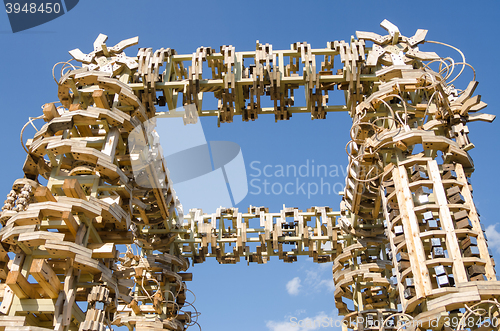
x=406 y=244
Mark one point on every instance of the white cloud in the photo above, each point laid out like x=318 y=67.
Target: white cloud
x=316 y=280
x=312 y=276
x=328 y=284
x=300 y=312
x=293 y=286
x=493 y=236
x=281 y=326
x=320 y=320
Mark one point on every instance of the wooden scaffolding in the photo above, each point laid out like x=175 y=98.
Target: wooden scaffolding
x=407 y=244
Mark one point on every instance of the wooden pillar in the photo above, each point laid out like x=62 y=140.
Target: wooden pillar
x=447 y=223
x=476 y=225
x=412 y=233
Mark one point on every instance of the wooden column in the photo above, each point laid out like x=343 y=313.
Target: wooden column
x=447 y=223
x=476 y=225
x=414 y=244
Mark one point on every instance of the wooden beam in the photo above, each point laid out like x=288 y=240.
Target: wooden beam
x=42 y=194
x=20 y=286
x=70 y=222
x=447 y=223
x=476 y=225
x=49 y=112
x=103 y=250
x=412 y=233
x=112 y=139
x=8 y=296
x=46 y=277
x=100 y=99
x=73 y=189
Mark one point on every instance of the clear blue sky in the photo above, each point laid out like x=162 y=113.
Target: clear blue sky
x=255 y=297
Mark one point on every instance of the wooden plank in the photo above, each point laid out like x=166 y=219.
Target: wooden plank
x=68 y=307
x=20 y=286
x=117 y=237
x=412 y=233
x=49 y=112
x=481 y=117
x=31 y=216
x=9 y=293
x=34 y=305
x=454 y=300
x=84 y=130
x=66 y=249
x=70 y=222
x=112 y=139
x=103 y=250
x=73 y=189
x=42 y=194
x=46 y=277
x=25 y=328
x=94 y=235
x=37 y=238
x=186 y=276
x=474 y=218
x=69 y=292
x=134 y=307
x=89 y=209
x=12 y=321
x=447 y=223
x=100 y=99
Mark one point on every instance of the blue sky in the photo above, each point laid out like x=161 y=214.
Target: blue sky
x=258 y=297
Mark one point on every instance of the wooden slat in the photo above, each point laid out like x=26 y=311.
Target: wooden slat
x=412 y=233
x=474 y=218
x=20 y=286
x=43 y=194
x=112 y=139
x=103 y=250
x=49 y=112
x=46 y=277
x=70 y=222
x=447 y=223
x=73 y=189
x=100 y=99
